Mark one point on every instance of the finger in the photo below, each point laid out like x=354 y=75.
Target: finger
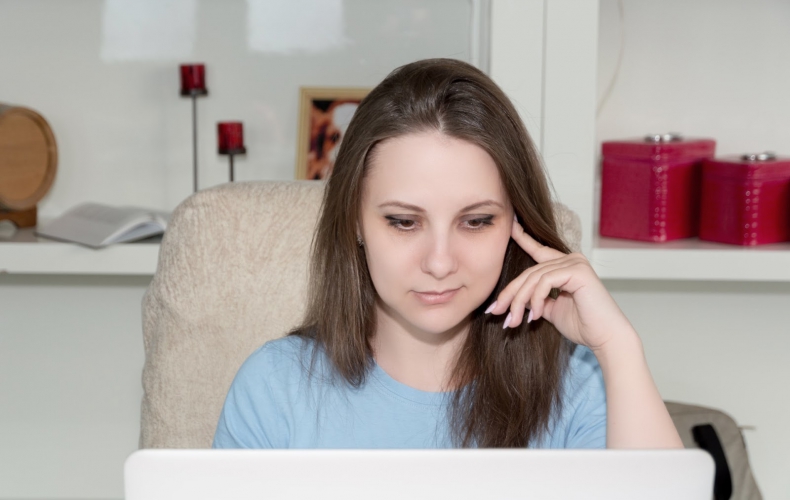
x=553 y=279
x=548 y=307
x=536 y=250
x=505 y=297
x=523 y=298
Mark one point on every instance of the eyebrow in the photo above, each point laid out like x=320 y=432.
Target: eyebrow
x=415 y=208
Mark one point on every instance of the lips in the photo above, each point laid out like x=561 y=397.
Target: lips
x=436 y=297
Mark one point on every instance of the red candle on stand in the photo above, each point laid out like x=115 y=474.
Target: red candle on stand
x=230 y=138
x=193 y=79
x=193 y=85
x=230 y=141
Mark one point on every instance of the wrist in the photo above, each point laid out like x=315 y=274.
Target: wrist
x=623 y=347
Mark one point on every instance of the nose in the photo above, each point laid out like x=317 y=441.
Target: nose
x=439 y=258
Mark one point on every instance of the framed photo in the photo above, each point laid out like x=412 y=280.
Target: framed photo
x=324 y=115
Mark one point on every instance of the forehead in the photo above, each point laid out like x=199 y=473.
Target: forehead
x=432 y=170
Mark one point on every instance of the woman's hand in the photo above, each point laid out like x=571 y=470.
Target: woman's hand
x=584 y=312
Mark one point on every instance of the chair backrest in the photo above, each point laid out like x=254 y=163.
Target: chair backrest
x=232 y=275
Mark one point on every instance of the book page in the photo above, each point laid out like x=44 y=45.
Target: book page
x=97 y=225
x=158 y=215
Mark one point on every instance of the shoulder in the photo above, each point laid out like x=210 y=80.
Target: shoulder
x=278 y=359
x=255 y=413
x=289 y=348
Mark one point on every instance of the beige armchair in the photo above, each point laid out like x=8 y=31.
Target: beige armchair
x=232 y=274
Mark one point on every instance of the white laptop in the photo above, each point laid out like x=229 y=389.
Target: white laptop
x=418 y=474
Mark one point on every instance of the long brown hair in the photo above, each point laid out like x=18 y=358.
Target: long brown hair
x=510 y=381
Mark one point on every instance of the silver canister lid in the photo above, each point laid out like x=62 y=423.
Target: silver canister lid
x=765 y=156
x=670 y=137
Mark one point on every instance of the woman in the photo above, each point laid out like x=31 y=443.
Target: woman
x=436 y=236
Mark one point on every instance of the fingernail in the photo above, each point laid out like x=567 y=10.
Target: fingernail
x=491 y=307
x=529 y=317
x=507 y=321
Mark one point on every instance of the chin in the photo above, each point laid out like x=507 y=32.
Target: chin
x=438 y=322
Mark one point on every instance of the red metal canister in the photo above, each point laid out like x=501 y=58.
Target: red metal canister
x=746 y=199
x=650 y=187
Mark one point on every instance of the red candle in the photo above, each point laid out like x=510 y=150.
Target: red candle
x=230 y=137
x=193 y=79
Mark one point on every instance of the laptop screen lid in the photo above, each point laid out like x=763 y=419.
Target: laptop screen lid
x=457 y=474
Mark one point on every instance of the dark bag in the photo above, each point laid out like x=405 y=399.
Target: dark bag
x=717 y=433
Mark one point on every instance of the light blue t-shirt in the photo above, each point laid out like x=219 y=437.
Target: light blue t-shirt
x=271 y=404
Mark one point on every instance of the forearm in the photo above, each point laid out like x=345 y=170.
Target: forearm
x=636 y=415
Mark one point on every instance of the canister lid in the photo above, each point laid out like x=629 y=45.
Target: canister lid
x=672 y=146
x=763 y=166
x=670 y=137
x=766 y=156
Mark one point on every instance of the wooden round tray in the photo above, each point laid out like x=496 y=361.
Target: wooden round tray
x=28 y=157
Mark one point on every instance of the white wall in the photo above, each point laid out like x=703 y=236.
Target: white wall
x=714 y=68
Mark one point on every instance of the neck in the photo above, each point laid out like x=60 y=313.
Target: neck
x=420 y=359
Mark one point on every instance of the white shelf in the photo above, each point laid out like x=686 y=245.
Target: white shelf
x=612 y=258
x=689 y=259
x=26 y=253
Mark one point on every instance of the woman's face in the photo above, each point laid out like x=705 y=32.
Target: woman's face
x=436 y=221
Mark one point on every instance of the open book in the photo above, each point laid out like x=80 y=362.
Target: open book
x=96 y=225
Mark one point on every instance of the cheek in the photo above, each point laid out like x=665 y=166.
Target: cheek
x=391 y=265
x=483 y=263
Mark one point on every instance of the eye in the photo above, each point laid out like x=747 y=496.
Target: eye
x=404 y=225
x=479 y=223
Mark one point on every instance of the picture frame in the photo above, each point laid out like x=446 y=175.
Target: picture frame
x=324 y=114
